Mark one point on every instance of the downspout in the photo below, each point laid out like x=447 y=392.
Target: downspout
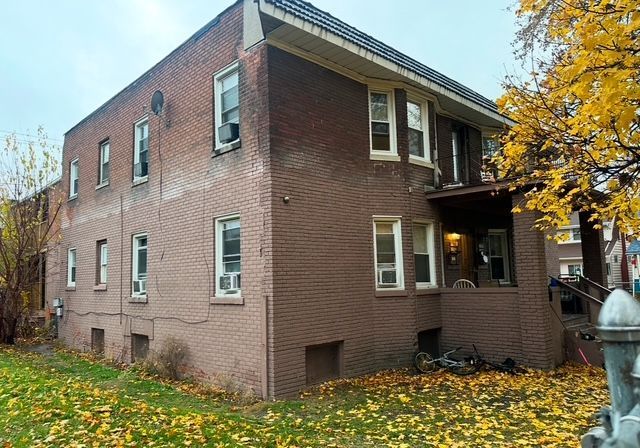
x=624 y=266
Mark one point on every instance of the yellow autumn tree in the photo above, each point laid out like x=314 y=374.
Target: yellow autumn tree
x=29 y=208
x=576 y=141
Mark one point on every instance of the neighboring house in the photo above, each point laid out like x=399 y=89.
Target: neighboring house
x=299 y=210
x=570 y=253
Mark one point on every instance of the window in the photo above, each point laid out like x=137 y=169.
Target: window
x=608 y=268
x=575 y=234
x=103 y=258
x=103 y=177
x=227 y=106
x=381 y=113
x=73 y=179
x=417 y=120
x=141 y=150
x=499 y=256
x=575 y=269
x=423 y=255
x=71 y=267
x=388 y=253
x=228 y=256
x=459 y=154
x=490 y=148
x=139 y=275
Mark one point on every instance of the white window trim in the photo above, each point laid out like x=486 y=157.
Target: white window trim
x=424 y=115
x=431 y=237
x=506 y=255
x=134 y=262
x=218 y=255
x=233 y=67
x=392 y=154
x=569 y=230
x=74 y=194
x=103 y=280
x=101 y=179
x=397 y=237
x=136 y=148
x=70 y=283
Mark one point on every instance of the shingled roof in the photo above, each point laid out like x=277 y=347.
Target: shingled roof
x=306 y=11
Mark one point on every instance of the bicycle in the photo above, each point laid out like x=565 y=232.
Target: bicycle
x=425 y=363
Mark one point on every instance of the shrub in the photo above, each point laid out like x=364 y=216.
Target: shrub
x=168 y=361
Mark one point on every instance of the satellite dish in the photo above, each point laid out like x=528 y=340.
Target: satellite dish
x=157 y=101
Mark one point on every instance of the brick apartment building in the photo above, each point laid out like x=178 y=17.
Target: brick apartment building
x=299 y=209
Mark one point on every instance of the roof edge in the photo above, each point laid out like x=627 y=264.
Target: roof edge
x=195 y=36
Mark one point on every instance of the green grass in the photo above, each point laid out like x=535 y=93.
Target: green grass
x=68 y=400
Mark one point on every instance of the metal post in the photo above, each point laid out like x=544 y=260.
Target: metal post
x=619 y=329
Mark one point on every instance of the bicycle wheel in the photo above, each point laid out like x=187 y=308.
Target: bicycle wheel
x=425 y=363
x=466 y=367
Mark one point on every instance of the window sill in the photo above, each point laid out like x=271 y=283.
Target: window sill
x=421 y=162
x=100 y=287
x=226 y=148
x=382 y=156
x=226 y=300
x=70 y=288
x=139 y=181
x=138 y=299
x=72 y=198
x=102 y=185
x=391 y=293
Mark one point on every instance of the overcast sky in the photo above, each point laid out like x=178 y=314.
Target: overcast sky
x=60 y=60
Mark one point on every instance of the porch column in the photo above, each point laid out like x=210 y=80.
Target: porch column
x=593 y=255
x=536 y=257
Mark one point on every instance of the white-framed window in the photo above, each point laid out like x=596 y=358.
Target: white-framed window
x=228 y=256
x=575 y=269
x=490 y=148
x=103 y=169
x=570 y=235
x=139 y=264
x=387 y=246
x=71 y=267
x=382 y=122
x=227 y=105
x=424 y=255
x=141 y=150
x=103 y=260
x=74 y=178
x=499 y=264
x=418 y=123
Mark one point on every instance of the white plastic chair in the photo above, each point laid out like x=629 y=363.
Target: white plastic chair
x=464 y=283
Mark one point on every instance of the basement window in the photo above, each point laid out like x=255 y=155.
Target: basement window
x=139 y=347
x=97 y=340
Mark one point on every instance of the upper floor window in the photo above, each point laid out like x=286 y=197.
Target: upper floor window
x=141 y=150
x=227 y=106
x=74 y=178
x=388 y=253
x=103 y=175
x=139 y=262
x=423 y=253
x=381 y=115
x=71 y=267
x=228 y=257
x=417 y=120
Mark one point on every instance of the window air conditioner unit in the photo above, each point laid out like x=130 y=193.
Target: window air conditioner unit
x=139 y=287
x=230 y=282
x=140 y=169
x=387 y=277
x=229 y=132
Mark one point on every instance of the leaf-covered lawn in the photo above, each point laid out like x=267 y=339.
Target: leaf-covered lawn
x=66 y=400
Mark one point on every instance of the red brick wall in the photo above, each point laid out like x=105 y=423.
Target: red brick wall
x=177 y=214
x=488 y=318
x=323 y=263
